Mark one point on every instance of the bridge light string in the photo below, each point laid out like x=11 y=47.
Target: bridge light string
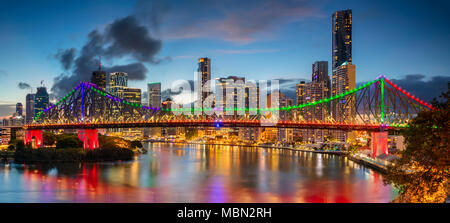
x=326 y=100
x=421 y=102
x=100 y=91
x=59 y=102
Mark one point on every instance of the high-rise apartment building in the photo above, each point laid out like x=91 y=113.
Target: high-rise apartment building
x=343 y=110
x=118 y=81
x=41 y=100
x=203 y=78
x=132 y=95
x=19 y=109
x=233 y=89
x=306 y=93
x=320 y=74
x=29 y=108
x=154 y=94
x=342 y=37
x=99 y=78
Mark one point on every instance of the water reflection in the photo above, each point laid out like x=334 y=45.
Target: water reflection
x=198 y=173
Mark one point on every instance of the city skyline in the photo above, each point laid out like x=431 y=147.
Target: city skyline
x=225 y=101
x=248 y=55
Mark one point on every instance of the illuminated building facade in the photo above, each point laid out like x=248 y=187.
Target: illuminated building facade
x=154 y=101
x=344 y=110
x=154 y=94
x=118 y=81
x=320 y=74
x=133 y=95
x=203 y=78
x=316 y=91
x=19 y=109
x=285 y=135
x=99 y=78
x=29 y=108
x=342 y=37
x=41 y=100
x=232 y=87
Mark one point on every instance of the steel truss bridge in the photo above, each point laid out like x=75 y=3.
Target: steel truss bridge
x=376 y=106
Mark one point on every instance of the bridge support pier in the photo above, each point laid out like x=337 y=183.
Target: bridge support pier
x=89 y=138
x=379 y=143
x=38 y=139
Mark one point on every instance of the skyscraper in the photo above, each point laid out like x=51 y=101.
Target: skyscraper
x=41 y=100
x=204 y=75
x=344 y=109
x=154 y=94
x=132 y=95
x=118 y=81
x=231 y=87
x=99 y=77
x=342 y=37
x=29 y=109
x=320 y=74
x=19 y=109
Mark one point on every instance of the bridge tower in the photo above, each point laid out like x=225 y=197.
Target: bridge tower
x=379 y=143
x=89 y=138
x=37 y=135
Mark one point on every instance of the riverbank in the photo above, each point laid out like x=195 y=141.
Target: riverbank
x=335 y=152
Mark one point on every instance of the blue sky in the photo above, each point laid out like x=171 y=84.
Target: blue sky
x=256 y=39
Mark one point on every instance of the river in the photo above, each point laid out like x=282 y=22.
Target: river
x=198 y=173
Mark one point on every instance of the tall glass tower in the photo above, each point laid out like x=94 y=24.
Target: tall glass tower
x=41 y=100
x=204 y=75
x=29 y=108
x=342 y=37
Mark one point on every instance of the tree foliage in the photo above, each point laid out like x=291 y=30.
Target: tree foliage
x=422 y=172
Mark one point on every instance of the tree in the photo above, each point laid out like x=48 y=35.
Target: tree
x=422 y=172
x=68 y=141
x=49 y=138
x=136 y=144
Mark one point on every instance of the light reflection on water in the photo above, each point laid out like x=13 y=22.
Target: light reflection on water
x=198 y=173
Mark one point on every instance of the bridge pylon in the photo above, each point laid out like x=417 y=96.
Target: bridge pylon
x=36 y=134
x=379 y=143
x=89 y=137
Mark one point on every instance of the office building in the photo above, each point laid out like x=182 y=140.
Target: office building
x=320 y=74
x=343 y=110
x=154 y=94
x=203 y=78
x=154 y=101
x=41 y=100
x=29 y=108
x=133 y=95
x=19 y=109
x=99 y=78
x=118 y=81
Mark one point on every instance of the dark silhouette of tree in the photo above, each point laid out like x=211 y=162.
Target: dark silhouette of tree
x=422 y=172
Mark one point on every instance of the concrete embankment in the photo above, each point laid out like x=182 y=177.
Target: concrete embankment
x=369 y=163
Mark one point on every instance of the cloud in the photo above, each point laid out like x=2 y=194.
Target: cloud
x=178 y=96
x=422 y=88
x=128 y=37
x=3 y=73
x=66 y=57
x=23 y=86
x=233 y=20
x=123 y=38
